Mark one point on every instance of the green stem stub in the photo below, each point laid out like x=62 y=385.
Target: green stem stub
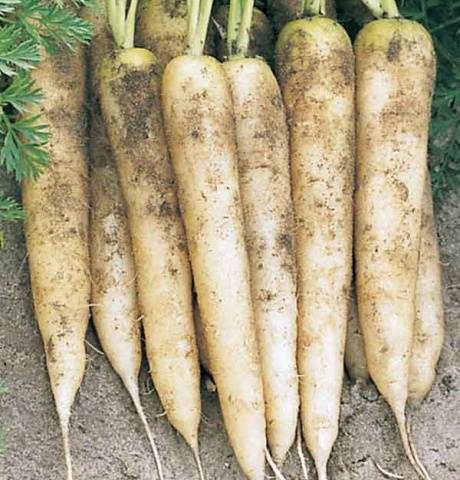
x=233 y=25
x=382 y=8
x=242 y=43
x=390 y=9
x=122 y=22
x=199 y=13
x=314 y=7
x=239 y=27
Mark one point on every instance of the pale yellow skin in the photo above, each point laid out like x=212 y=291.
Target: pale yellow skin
x=56 y=229
x=131 y=108
x=314 y=60
x=429 y=322
x=264 y=175
x=395 y=72
x=395 y=67
x=115 y=312
x=162 y=28
x=113 y=296
x=200 y=128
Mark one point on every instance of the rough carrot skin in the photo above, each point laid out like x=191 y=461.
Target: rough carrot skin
x=429 y=321
x=198 y=112
x=265 y=183
x=113 y=295
x=130 y=99
x=56 y=228
x=394 y=80
x=314 y=64
x=395 y=69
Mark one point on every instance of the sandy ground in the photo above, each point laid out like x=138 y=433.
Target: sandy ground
x=108 y=442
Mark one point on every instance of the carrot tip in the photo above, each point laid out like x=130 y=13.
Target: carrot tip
x=409 y=448
x=273 y=466
x=303 y=461
x=386 y=473
x=64 y=421
x=420 y=465
x=196 y=454
x=140 y=411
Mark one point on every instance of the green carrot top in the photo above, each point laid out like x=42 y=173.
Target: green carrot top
x=238 y=27
x=121 y=23
x=199 y=13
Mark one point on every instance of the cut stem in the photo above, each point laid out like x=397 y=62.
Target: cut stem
x=390 y=9
x=245 y=28
x=375 y=7
x=193 y=17
x=116 y=18
x=312 y=7
x=196 y=46
x=233 y=25
x=130 y=25
x=122 y=24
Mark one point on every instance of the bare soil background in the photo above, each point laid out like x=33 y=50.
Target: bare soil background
x=108 y=442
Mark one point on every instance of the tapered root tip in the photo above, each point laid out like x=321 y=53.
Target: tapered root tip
x=196 y=454
x=422 y=468
x=156 y=455
x=66 y=443
x=404 y=429
x=303 y=461
x=273 y=466
x=322 y=472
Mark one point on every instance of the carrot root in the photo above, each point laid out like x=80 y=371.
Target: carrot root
x=64 y=422
x=303 y=461
x=404 y=430
x=321 y=471
x=134 y=393
x=422 y=468
x=273 y=466
x=386 y=473
x=196 y=454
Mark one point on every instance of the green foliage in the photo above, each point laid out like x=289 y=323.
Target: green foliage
x=10 y=209
x=442 y=18
x=26 y=27
x=15 y=52
x=51 y=25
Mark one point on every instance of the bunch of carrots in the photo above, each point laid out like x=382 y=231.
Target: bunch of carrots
x=225 y=205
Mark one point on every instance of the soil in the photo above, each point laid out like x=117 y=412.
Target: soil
x=108 y=442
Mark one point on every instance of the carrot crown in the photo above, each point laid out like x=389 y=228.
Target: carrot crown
x=121 y=23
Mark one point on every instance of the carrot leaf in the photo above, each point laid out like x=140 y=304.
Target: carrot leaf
x=10 y=210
